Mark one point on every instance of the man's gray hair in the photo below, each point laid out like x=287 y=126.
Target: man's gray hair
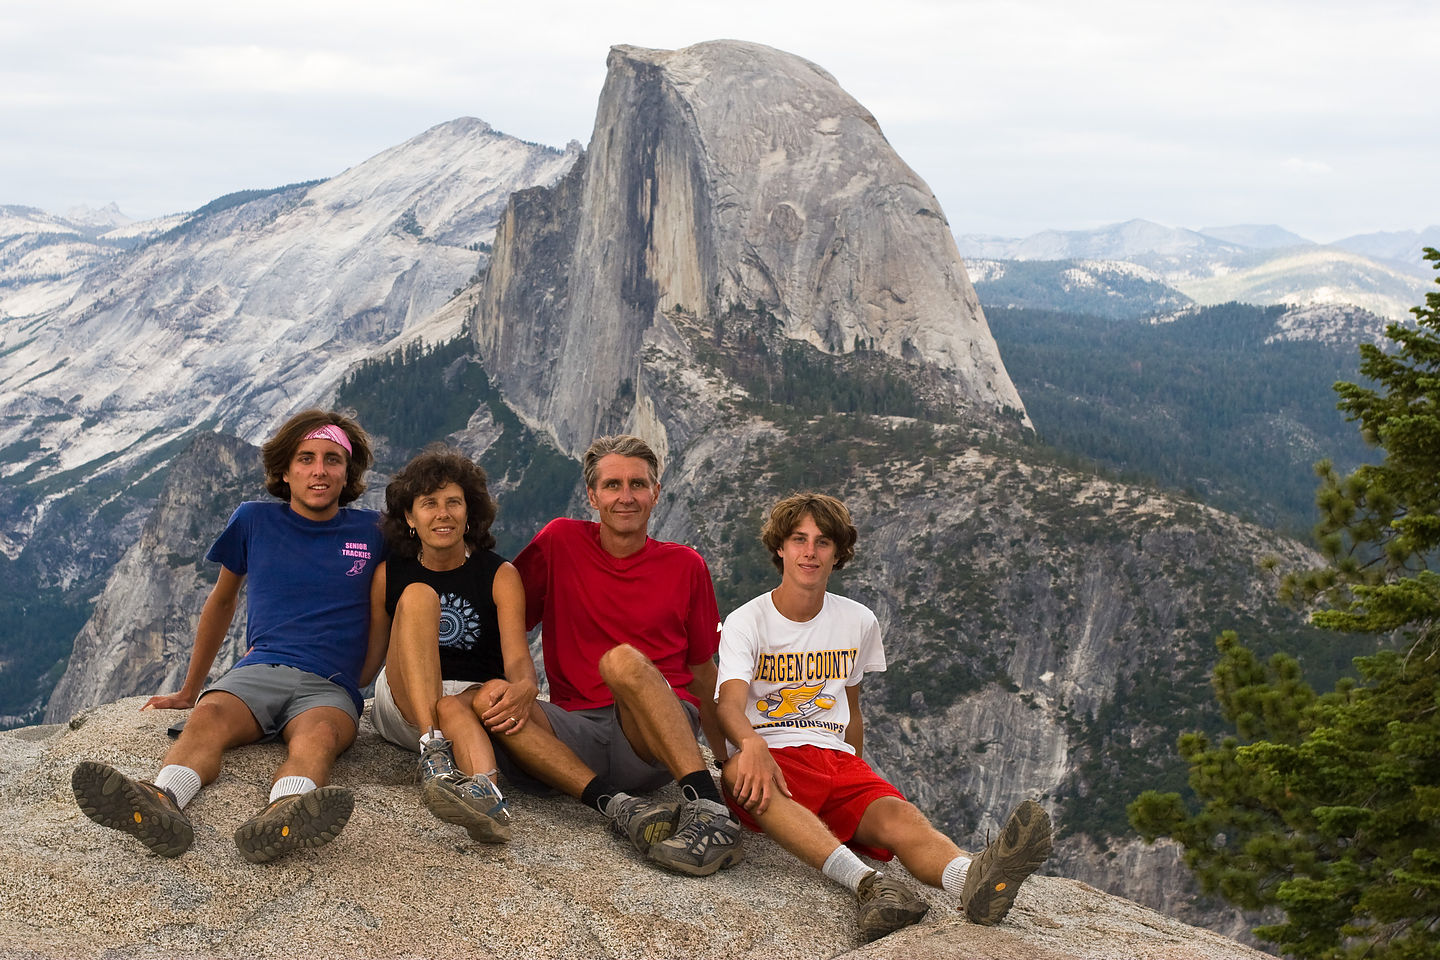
x=624 y=445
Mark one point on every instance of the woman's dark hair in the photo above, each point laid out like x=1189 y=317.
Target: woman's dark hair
x=431 y=469
x=280 y=449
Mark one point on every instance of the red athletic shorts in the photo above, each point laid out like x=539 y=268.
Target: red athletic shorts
x=836 y=786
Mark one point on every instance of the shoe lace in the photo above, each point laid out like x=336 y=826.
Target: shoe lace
x=435 y=760
x=694 y=828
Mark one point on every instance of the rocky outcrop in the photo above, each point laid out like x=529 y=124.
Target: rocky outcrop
x=399 y=883
x=723 y=175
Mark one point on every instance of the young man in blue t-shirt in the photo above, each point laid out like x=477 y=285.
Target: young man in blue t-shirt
x=310 y=648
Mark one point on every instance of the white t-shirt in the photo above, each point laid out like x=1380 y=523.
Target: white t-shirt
x=798 y=672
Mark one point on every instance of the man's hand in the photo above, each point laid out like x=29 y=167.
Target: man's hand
x=509 y=705
x=169 y=701
x=757 y=777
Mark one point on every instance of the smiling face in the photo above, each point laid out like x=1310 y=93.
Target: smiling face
x=316 y=476
x=623 y=495
x=807 y=556
x=439 y=519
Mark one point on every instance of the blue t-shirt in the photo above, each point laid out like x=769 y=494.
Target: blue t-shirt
x=308 y=599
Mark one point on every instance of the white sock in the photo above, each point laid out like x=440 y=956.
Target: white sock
x=845 y=868
x=428 y=735
x=182 y=782
x=285 y=786
x=953 y=879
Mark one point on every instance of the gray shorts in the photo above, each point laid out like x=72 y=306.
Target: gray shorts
x=600 y=743
x=277 y=694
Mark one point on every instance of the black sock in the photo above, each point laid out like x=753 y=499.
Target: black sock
x=597 y=794
x=700 y=786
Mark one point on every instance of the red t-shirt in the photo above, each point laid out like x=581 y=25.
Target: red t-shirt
x=659 y=600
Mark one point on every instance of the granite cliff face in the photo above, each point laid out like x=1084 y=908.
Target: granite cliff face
x=155 y=592
x=249 y=310
x=725 y=175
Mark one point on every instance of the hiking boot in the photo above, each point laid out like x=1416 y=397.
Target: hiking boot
x=706 y=838
x=137 y=807
x=994 y=878
x=886 y=905
x=298 y=820
x=472 y=802
x=437 y=759
x=643 y=821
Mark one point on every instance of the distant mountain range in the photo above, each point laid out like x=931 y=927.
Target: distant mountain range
x=1260 y=264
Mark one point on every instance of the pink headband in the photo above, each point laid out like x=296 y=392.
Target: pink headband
x=332 y=433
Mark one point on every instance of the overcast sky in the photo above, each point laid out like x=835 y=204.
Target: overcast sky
x=1319 y=116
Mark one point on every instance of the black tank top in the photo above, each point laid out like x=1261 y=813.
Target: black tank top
x=469 y=632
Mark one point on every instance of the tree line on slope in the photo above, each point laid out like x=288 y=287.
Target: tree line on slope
x=1201 y=404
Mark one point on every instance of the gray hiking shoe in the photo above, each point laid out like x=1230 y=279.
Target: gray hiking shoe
x=643 y=821
x=298 y=820
x=995 y=876
x=471 y=802
x=137 y=807
x=436 y=759
x=706 y=838
x=886 y=905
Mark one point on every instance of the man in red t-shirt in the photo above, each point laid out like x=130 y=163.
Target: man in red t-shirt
x=630 y=633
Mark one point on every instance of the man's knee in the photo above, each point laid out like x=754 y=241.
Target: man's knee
x=892 y=821
x=222 y=719
x=323 y=729
x=623 y=664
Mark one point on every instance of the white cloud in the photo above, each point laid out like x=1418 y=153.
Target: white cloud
x=1017 y=113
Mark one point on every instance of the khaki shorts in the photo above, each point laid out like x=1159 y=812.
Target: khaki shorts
x=391 y=724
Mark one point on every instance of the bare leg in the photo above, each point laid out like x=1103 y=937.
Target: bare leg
x=791 y=825
x=459 y=717
x=218 y=722
x=546 y=758
x=896 y=825
x=650 y=713
x=315 y=738
x=412 y=664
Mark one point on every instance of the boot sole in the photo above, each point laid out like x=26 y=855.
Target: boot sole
x=993 y=898
x=481 y=827
x=312 y=821
x=113 y=800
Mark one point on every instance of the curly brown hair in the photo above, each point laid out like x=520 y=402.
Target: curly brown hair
x=280 y=449
x=829 y=514
x=431 y=469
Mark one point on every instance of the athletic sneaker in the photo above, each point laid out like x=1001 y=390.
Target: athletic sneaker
x=706 y=838
x=297 y=820
x=994 y=878
x=886 y=905
x=643 y=821
x=472 y=802
x=146 y=812
x=436 y=759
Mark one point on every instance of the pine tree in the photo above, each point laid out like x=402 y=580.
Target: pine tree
x=1327 y=807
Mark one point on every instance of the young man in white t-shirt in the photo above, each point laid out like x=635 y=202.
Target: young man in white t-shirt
x=788 y=692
